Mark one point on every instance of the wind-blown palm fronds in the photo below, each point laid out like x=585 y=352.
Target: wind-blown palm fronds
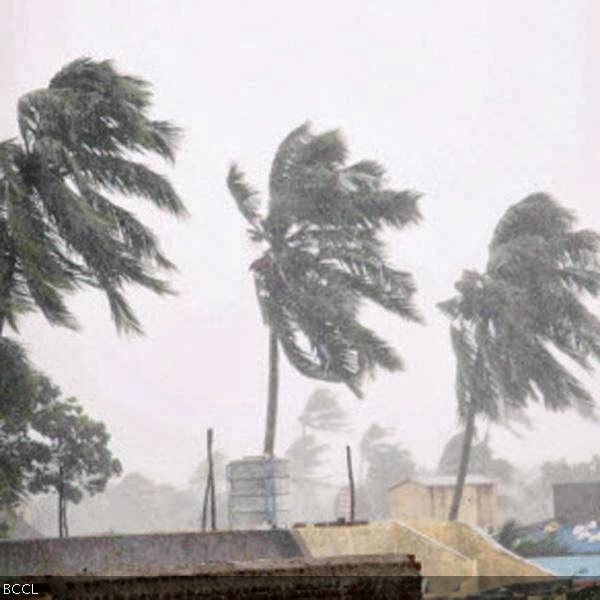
x=59 y=227
x=324 y=256
x=512 y=324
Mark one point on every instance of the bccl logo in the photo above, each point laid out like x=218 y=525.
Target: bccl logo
x=18 y=589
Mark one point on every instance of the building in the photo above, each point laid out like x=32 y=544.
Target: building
x=416 y=499
x=576 y=502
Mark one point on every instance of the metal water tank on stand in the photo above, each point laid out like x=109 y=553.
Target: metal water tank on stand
x=258 y=492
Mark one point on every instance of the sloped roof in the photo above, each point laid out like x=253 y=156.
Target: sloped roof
x=446 y=481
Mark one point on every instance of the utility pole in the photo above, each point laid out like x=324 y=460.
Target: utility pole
x=209 y=491
x=350 y=482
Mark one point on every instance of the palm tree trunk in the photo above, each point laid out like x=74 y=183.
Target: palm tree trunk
x=464 y=463
x=6 y=282
x=269 y=447
x=65 y=522
x=60 y=515
x=60 y=505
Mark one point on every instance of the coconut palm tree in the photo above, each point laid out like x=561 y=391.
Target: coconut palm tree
x=516 y=326
x=323 y=255
x=60 y=228
x=323 y=412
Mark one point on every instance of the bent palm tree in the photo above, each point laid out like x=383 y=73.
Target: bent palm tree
x=513 y=325
x=58 y=228
x=324 y=256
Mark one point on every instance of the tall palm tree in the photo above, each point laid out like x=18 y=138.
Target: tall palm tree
x=59 y=226
x=515 y=327
x=323 y=256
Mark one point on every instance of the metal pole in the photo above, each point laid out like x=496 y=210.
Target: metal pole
x=208 y=479
x=211 y=477
x=350 y=481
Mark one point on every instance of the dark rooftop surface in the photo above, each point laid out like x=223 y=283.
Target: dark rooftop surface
x=124 y=554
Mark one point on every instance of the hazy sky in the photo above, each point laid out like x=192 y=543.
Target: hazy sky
x=475 y=104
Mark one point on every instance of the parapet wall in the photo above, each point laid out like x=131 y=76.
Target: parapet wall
x=164 y=554
x=343 y=577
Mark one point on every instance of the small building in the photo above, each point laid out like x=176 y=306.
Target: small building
x=576 y=502
x=417 y=499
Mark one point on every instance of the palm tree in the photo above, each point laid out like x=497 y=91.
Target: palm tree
x=59 y=228
x=514 y=325
x=323 y=412
x=323 y=256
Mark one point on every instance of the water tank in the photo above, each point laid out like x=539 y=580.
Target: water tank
x=258 y=492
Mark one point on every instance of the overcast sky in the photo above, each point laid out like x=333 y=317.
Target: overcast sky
x=476 y=104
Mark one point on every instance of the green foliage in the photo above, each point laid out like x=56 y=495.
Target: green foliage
x=80 y=459
x=59 y=228
x=508 y=534
x=560 y=471
x=512 y=323
x=387 y=463
x=305 y=456
x=324 y=256
x=133 y=504
x=20 y=453
x=374 y=436
x=547 y=546
x=323 y=413
x=16 y=382
x=45 y=443
x=482 y=460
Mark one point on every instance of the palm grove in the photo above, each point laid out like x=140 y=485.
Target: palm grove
x=519 y=330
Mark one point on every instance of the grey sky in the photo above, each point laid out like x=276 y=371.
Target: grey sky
x=476 y=104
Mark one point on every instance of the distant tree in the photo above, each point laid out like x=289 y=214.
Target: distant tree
x=22 y=392
x=387 y=463
x=323 y=413
x=59 y=228
x=482 y=460
x=132 y=504
x=200 y=474
x=305 y=456
x=80 y=459
x=198 y=482
x=373 y=436
x=560 y=471
x=324 y=256
x=387 y=466
x=510 y=323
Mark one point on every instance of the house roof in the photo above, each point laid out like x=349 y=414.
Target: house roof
x=580 y=484
x=446 y=481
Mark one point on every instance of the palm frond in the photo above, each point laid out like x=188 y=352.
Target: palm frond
x=245 y=197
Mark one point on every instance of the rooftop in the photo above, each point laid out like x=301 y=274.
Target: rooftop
x=446 y=481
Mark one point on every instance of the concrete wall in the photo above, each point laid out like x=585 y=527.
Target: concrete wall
x=454 y=556
x=487 y=506
x=412 y=500
x=154 y=553
x=496 y=566
x=348 y=578
x=438 y=561
x=576 y=502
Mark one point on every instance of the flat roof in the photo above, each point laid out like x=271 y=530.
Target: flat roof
x=446 y=481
